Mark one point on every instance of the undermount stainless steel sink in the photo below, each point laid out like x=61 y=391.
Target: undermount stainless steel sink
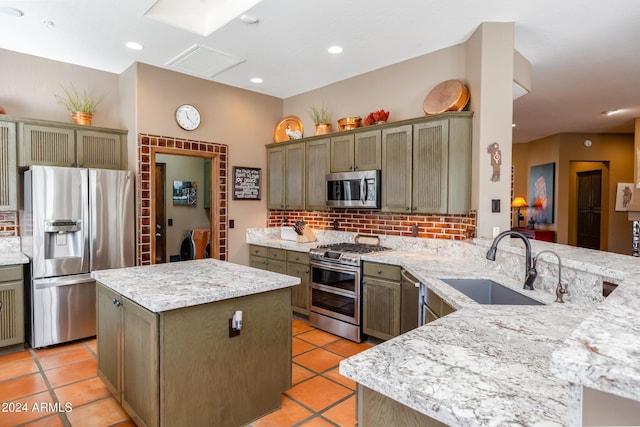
x=486 y=291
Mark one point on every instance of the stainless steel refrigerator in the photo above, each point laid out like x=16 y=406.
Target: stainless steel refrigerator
x=73 y=221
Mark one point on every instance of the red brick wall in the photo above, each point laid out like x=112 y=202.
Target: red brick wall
x=365 y=221
x=9 y=224
x=145 y=142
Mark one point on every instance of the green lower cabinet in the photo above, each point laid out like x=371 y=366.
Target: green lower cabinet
x=376 y=410
x=11 y=307
x=298 y=266
x=381 y=300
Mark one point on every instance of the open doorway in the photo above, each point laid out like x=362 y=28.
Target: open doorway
x=149 y=146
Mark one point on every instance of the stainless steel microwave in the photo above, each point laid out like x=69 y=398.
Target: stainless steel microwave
x=359 y=189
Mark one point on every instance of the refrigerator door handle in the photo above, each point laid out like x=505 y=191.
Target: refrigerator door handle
x=61 y=281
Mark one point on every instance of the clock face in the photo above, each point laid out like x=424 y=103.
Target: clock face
x=188 y=117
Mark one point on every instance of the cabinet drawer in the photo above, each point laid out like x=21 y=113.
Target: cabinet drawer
x=280 y=254
x=257 y=250
x=384 y=271
x=299 y=257
x=11 y=273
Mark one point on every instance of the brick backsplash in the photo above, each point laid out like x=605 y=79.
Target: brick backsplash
x=9 y=224
x=365 y=221
x=145 y=142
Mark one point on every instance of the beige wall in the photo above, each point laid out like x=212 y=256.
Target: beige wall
x=183 y=168
x=399 y=89
x=241 y=119
x=611 y=153
x=28 y=86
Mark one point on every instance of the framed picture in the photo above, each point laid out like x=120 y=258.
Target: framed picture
x=246 y=183
x=624 y=196
x=541 y=192
x=185 y=193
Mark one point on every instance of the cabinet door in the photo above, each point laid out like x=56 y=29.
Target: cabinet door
x=109 y=333
x=430 y=167
x=277 y=266
x=140 y=364
x=380 y=308
x=11 y=306
x=459 y=198
x=396 y=169
x=102 y=150
x=9 y=170
x=275 y=178
x=299 y=293
x=258 y=262
x=342 y=153
x=46 y=145
x=318 y=158
x=368 y=150
x=294 y=171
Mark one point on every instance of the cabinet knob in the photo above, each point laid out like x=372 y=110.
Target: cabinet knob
x=379 y=271
x=116 y=302
x=407 y=208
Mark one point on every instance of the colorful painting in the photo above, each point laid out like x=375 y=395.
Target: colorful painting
x=541 y=193
x=185 y=193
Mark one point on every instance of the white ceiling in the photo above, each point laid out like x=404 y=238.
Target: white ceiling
x=585 y=54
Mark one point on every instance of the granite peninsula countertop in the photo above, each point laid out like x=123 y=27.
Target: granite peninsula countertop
x=490 y=365
x=163 y=287
x=12 y=258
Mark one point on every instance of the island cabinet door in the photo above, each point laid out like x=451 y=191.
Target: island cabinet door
x=140 y=364
x=109 y=325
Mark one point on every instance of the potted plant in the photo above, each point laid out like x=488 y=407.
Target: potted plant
x=321 y=118
x=80 y=105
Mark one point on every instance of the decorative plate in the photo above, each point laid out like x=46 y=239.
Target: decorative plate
x=287 y=129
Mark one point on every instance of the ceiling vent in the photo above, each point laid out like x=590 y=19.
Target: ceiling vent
x=203 y=61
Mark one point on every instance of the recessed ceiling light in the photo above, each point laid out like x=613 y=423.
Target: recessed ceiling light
x=133 y=45
x=256 y=80
x=47 y=23
x=12 y=11
x=248 y=19
x=335 y=49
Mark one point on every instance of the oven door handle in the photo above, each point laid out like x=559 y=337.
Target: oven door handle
x=332 y=290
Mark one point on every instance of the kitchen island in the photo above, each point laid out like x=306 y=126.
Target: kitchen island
x=169 y=354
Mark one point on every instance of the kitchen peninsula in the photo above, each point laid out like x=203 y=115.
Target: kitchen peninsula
x=167 y=349
x=489 y=365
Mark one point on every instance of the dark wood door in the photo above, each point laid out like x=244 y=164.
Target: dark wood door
x=161 y=238
x=589 y=209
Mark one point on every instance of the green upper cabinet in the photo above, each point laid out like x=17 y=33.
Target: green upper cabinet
x=60 y=144
x=425 y=163
x=46 y=145
x=426 y=167
x=98 y=149
x=356 y=151
x=9 y=169
x=396 y=168
x=286 y=176
x=317 y=167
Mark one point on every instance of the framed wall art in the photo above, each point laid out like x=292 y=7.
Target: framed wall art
x=541 y=193
x=185 y=193
x=246 y=183
x=624 y=196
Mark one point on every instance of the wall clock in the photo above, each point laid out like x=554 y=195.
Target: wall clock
x=188 y=117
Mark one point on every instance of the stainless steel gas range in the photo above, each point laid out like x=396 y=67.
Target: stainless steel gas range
x=336 y=288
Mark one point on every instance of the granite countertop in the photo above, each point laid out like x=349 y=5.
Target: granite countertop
x=491 y=365
x=163 y=287
x=12 y=258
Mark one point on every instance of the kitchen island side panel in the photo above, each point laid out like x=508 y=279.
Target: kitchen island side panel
x=205 y=375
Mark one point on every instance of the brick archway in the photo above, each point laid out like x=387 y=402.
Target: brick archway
x=147 y=144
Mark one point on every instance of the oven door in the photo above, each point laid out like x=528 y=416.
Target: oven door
x=335 y=291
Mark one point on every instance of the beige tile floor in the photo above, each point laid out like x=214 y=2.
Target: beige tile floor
x=32 y=381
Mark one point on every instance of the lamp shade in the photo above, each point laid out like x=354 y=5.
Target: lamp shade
x=519 y=202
